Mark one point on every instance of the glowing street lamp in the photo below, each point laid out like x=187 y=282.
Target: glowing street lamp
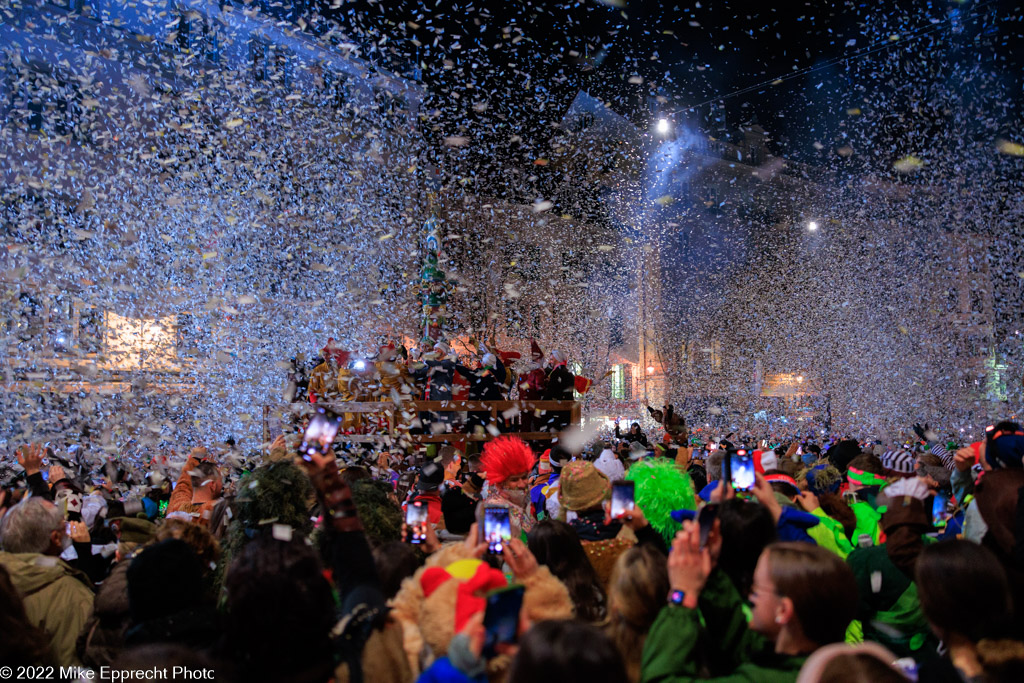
x=663 y=126
x=812 y=226
x=799 y=379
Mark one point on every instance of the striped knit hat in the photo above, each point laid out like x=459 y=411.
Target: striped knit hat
x=943 y=453
x=900 y=461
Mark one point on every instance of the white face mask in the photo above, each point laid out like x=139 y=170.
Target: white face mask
x=516 y=496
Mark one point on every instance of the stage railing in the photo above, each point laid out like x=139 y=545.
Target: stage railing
x=397 y=418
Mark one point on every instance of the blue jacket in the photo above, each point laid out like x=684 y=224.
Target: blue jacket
x=443 y=671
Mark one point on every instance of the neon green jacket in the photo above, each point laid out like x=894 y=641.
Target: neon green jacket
x=830 y=534
x=867 y=522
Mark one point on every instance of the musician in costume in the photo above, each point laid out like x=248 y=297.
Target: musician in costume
x=531 y=387
x=506 y=463
x=486 y=383
x=436 y=371
x=323 y=380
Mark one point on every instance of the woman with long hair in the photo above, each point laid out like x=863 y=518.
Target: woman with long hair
x=636 y=593
x=557 y=546
x=966 y=598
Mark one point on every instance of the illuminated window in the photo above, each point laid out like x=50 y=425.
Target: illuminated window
x=716 y=355
x=618 y=382
x=140 y=343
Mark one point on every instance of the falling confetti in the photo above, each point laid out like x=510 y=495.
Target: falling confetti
x=190 y=214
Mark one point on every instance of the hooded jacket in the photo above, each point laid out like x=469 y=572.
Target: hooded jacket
x=889 y=609
x=57 y=599
x=610 y=465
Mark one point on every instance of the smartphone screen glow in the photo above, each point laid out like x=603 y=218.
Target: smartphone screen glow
x=742 y=472
x=416 y=522
x=497 y=529
x=319 y=434
x=622 y=499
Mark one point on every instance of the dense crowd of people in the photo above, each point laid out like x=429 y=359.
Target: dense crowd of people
x=845 y=560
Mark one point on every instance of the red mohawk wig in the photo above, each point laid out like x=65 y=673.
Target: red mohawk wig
x=506 y=457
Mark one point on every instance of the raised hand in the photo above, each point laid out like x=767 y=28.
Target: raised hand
x=30 y=457
x=519 y=559
x=808 y=501
x=688 y=564
x=723 y=491
x=766 y=496
x=964 y=458
x=78 y=532
x=791 y=451
x=430 y=545
x=56 y=474
x=278 y=449
x=674 y=424
x=472 y=542
x=334 y=494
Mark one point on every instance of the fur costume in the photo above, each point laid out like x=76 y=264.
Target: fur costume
x=435 y=599
x=506 y=457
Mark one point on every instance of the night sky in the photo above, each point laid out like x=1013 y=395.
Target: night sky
x=795 y=69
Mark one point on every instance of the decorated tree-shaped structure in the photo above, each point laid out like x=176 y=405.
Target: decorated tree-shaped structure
x=434 y=286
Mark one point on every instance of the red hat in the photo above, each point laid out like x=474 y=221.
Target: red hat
x=472 y=588
x=544 y=464
x=765 y=460
x=332 y=350
x=506 y=457
x=780 y=478
x=535 y=352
